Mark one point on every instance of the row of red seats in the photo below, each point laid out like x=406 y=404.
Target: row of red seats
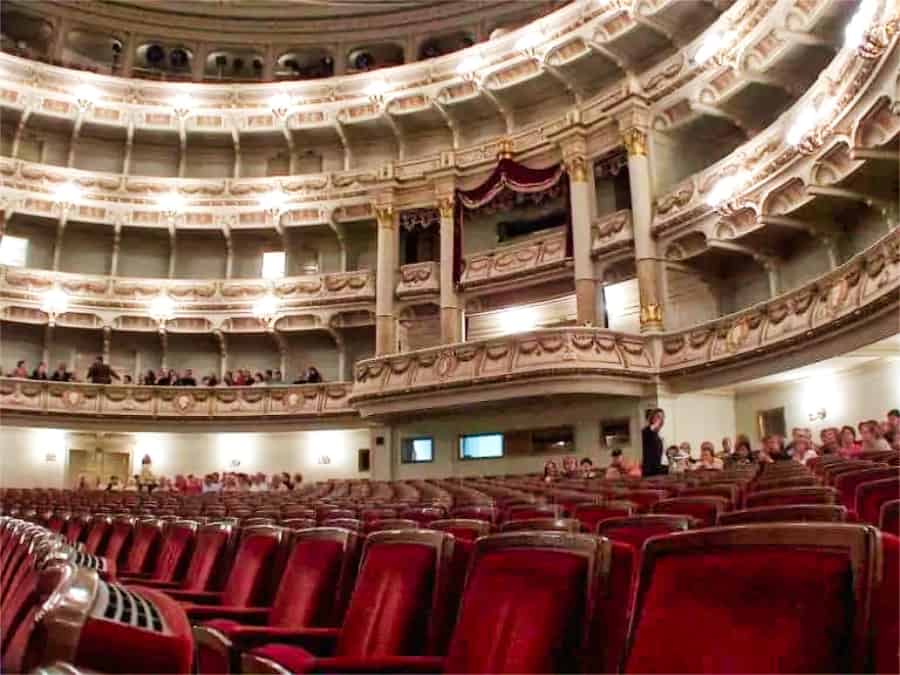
x=782 y=597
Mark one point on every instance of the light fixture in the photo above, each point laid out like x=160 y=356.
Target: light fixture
x=469 y=65
x=85 y=95
x=377 y=88
x=518 y=320
x=711 y=45
x=862 y=19
x=181 y=103
x=171 y=203
x=162 y=308
x=68 y=193
x=279 y=104
x=528 y=42
x=266 y=308
x=817 y=415
x=54 y=302
x=725 y=188
x=273 y=201
x=807 y=120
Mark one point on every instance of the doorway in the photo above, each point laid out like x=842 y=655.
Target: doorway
x=97 y=465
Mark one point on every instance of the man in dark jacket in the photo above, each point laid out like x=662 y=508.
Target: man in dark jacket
x=651 y=443
x=101 y=373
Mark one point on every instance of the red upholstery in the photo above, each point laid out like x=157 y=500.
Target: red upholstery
x=532 y=512
x=704 y=509
x=786 y=514
x=870 y=496
x=96 y=536
x=174 y=553
x=846 y=483
x=74 y=530
x=118 y=540
x=886 y=609
x=592 y=514
x=788 y=496
x=476 y=512
x=645 y=499
x=464 y=529
x=635 y=530
x=144 y=544
x=773 y=606
x=56 y=523
x=889 y=517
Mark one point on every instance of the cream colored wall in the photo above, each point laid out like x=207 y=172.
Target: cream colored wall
x=99 y=154
x=86 y=248
x=848 y=397
x=155 y=158
x=41 y=236
x=690 y=300
x=144 y=252
x=200 y=255
x=748 y=287
x=20 y=341
x=23 y=457
x=704 y=416
x=583 y=414
x=803 y=266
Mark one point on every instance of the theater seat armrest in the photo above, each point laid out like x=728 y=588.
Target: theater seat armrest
x=384 y=664
x=318 y=641
x=243 y=615
x=196 y=597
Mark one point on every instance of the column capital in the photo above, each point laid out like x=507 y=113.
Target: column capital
x=445 y=204
x=651 y=316
x=635 y=141
x=576 y=166
x=384 y=215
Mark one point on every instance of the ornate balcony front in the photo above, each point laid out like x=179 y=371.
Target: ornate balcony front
x=536 y=257
x=419 y=279
x=30 y=399
x=546 y=362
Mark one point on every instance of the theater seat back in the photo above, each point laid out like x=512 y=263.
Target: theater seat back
x=397 y=606
x=779 y=598
x=119 y=538
x=97 y=533
x=208 y=557
x=249 y=580
x=316 y=579
x=528 y=603
x=174 y=551
x=144 y=545
x=635 y=530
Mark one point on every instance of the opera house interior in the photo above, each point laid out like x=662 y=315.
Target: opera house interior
x=449 y=336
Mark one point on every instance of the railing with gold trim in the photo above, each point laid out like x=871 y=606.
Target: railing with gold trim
x=542 y=251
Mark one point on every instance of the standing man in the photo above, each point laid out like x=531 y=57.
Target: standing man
x=651 y=443
x=101 y=373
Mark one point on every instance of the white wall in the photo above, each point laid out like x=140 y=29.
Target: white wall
x=848 y=398
x=698 y=417
x=23 y=457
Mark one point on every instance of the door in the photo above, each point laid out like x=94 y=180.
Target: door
x=97 y=466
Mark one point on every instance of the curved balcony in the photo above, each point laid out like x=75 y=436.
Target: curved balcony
x=537 y=363
x=122 y=301
x=29 y=399
x=537 y=257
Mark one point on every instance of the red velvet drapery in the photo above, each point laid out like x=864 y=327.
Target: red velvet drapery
x=507 y=175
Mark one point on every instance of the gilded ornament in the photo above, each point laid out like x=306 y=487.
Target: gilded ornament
x=505 y=148
x=651 y=314
x=384 y=214
x=577 y=169
x=635 y=141
x=445 y=206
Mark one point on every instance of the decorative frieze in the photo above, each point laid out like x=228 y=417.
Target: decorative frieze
x=419 y=279
x=541 y=252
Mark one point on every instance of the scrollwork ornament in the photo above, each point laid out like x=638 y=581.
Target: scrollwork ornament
x=651 y=315
x=577 y=169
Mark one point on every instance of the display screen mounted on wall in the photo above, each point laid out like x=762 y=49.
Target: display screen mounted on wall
x=481 y=446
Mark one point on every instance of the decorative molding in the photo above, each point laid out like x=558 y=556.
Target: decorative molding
x=544 y=251
x=419 y=279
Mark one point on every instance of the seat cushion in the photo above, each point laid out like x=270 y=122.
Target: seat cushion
x=294 y=659
x=760 y=610
x=522 y=613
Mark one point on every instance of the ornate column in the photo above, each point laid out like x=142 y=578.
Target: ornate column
x=773 y=276
x=172 y=250
x=385 y=280
x=163 y=348
x=451 y=317
x=223 y=353
x=117 y=245
x=107 y=340
x=128 y=49
x=58 y=242
x=581 y=215
x=48 y=343
x=634 y=136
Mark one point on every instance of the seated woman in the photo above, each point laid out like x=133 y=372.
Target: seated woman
x=743 y=453
x=551 y=471
x=677 y=460
x=801 y=451
x=848 y=446
x=708 y=460
x=570 y=467
x=586 y=467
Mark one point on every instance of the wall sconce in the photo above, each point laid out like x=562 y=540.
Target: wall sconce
x=323 y=459
x=818 y=415
x=50 y=457
x=235 y=463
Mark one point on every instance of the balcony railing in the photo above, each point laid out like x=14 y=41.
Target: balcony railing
x=419 y=279
x=580 y=356
x=544 y=251
x=181 y=403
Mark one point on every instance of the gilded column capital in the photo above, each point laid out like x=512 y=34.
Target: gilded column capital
x=505 y=148
x=576 y=166
x=445 y=206
x=635 y=141
x=384 y=214
x=651 y=316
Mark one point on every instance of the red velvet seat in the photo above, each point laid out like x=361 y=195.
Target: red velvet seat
x=207 y=560
x=476 y=512
x=542 y=525
x=119 y=539
x=97 y=534
x=635 y=530
x=789 y=496
x=332 y=513
x=846 y=483
x=889 y=517
x=828 y=513
x=532 y=511
x=56 y=523
x=423 y=515
x=704 y=509
x=144 y=545
x=75 y=530
x=389 y=524
x=249 y=582
x=312 y=593
x=464 y=529
x=870 y=496
x=801 y=480
x=645 y=499
x=346 y=523
x=397 y=608
x=174 y=553
x=592 y=514
x=780 y=598
x=831 y=472
x=298 y=523
x=886 y=609
x=606 y=646
x=730 y=491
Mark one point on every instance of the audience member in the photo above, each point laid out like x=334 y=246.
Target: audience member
x=872 y=440
x=801 y=451
x=893 y=419
x=743 y=453
x=61 y=374
x=676 y=461
x=708 y=460
x=570 y=467
x=113 y=485
x=620 y=467
x=586 y=466
x=187 y=380
x=551 y=471
x=726 y=447
x=101 y=373
x=20 y=371
x=126 y=379
x=39 y=373
x=830 y=441
x=773 y=450
x=651 y=443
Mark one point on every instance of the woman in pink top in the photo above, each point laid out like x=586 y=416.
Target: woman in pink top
x=848 y=446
